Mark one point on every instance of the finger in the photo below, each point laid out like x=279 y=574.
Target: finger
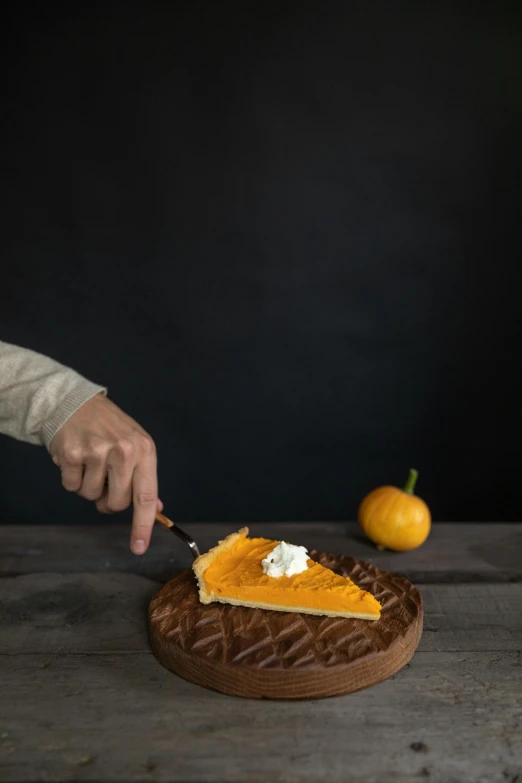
x=70 y=461
x=145 y=501
x=102 y=504
x=120 y=468
x=72 y=476
x=93 y=481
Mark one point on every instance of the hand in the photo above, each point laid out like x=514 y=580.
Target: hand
x=99 y=443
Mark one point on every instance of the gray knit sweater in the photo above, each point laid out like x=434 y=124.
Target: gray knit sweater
x=38 y=395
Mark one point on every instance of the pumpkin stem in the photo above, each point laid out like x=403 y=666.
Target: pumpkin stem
x=412 y=480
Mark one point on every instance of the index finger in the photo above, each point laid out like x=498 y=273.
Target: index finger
x=145 y=502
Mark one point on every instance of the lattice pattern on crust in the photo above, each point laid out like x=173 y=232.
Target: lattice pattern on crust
x=278 y=640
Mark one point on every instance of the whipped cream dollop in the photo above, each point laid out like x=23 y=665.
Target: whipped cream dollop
x=285 y=560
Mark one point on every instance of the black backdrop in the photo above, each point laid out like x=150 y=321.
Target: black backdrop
x=285 y=235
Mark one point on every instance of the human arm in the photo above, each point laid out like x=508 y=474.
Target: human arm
x=38 y=395
x=103 y=454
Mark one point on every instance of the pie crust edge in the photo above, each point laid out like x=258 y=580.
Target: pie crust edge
x=201 y=564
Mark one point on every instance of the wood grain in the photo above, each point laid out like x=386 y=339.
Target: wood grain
x=454 y=552
x=105 y=613
x=82 y=698
x=260 y=654
x=74 y=612
x=124 y=718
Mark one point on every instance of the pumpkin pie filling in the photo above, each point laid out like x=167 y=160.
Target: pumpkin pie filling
x=232 y=573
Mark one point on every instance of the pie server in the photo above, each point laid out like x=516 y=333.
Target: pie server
x=166 y=522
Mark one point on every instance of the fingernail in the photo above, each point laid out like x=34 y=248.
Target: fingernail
x=138 y=546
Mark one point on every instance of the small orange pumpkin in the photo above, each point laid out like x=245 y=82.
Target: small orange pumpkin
x=395 y=518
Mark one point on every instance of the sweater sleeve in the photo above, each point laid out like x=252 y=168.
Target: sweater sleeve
x=38 y=395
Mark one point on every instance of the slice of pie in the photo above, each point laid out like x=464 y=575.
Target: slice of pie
x=234 y=572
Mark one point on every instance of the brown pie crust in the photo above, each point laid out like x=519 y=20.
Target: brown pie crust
x=256 y=653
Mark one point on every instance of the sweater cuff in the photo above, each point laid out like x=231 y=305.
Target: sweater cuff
x=69 y=405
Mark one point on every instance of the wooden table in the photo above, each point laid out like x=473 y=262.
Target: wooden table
x=82 y=698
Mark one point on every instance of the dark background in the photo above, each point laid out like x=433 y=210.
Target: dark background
x=286 y=236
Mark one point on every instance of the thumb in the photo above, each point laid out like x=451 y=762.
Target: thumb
x=102 y=504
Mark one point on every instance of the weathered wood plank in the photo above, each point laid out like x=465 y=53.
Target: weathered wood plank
x=74 y=612
x=446 y=718
x=103 y=613
x=472 y=617
x=453 y=553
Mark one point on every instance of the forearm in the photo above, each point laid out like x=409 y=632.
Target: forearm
x=37 y=394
